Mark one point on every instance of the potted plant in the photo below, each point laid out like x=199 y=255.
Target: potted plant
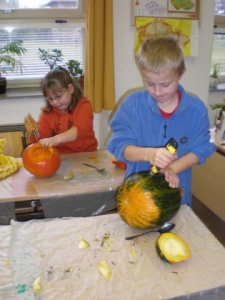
x=50 y=57
x=9 y=60
x=214 y=76
x=220 y=106
x=76 y=71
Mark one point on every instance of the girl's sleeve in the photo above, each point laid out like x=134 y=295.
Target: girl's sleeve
x=83 y=119
x=44 y=127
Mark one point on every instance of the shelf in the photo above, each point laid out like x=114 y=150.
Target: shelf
x=219 y=88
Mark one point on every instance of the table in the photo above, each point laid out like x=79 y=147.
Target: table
x=52 y=254
x=87 y=193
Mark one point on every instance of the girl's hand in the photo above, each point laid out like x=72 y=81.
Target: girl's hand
x=170 y=177
x=49 y=142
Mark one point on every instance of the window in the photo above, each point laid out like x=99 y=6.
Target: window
x=46 y=24
x=219 y=49
x=219 y=36
x=219 y=7
x=27 y=4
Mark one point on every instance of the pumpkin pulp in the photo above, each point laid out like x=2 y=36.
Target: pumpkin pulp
x=40 y=154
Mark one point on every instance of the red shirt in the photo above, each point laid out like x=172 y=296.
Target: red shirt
x=167 y=115
x=81 y=117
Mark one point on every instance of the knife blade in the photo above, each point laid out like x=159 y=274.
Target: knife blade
x=35 y=135
x=171 y=146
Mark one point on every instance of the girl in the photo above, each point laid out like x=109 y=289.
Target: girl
x=66 y=121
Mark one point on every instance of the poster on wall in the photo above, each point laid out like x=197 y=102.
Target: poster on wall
x=185 y=9
x=186 y=32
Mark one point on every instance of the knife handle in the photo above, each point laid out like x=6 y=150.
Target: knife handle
x=171 y=146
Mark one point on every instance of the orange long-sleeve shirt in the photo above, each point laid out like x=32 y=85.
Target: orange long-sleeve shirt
x=81 y=117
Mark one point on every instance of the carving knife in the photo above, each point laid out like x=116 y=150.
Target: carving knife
x=172 y=146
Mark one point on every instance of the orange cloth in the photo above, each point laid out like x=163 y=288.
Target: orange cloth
x=56 y=122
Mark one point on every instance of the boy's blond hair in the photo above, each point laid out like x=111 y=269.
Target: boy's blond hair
x=160 y=54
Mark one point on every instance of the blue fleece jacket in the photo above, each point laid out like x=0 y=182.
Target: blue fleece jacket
x=138 y=122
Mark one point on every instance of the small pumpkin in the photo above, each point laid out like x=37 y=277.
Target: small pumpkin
x=172 y=248
x=144 y=201
x=41 y=162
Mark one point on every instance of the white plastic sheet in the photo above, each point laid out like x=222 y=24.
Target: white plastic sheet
x=49 y=250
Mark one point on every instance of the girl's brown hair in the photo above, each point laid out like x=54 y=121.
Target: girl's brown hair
x=55 y=81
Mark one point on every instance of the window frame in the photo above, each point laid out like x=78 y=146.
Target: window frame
x=22 y=18
x=219 y=29
x=38 y=13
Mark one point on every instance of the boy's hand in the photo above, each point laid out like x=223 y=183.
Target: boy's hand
x=162 y=157
x=170 y=177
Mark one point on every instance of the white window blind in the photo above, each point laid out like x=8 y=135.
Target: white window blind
x=68 y=40
x=48 y=29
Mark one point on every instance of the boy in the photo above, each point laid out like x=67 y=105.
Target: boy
x=146 y=120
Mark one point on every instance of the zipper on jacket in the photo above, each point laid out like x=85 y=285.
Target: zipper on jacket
x=164 y=131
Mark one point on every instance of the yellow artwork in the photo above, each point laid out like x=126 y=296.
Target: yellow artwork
x=159 y=27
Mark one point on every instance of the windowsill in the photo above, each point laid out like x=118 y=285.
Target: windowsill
x=219 y=88
x=21 y=93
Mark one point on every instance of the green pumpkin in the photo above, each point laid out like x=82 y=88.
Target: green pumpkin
x=147 y=201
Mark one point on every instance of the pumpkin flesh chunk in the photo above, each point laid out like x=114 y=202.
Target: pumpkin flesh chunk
x=172 y=248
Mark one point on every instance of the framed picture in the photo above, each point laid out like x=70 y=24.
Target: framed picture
x=183 y=7
x=178 y=9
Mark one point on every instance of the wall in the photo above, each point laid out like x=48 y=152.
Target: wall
x=127 y=77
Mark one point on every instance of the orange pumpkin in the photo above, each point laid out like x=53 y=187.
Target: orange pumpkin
x=41 y=162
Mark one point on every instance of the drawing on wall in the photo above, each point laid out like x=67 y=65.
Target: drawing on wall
x=186 y=9
x=186 y=32
x=159 y=28
x=184 y=6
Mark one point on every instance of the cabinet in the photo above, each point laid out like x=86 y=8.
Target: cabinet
x=208 y=183
x=15 y=141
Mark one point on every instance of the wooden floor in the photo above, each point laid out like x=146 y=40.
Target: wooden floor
x=214 y=224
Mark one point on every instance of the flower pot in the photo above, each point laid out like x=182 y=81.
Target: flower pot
x=81 y=82
x=3 y=84
x=213 y=82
